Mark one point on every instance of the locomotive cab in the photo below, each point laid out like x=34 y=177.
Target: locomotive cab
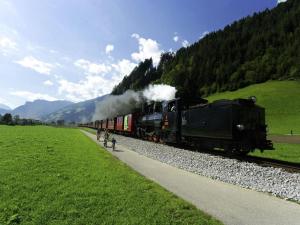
x=149 y=125
x=171 y=121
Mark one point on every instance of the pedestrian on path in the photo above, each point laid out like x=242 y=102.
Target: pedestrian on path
x=113 y=142
x=98 y=134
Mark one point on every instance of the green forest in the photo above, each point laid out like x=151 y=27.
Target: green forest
x=255 y=49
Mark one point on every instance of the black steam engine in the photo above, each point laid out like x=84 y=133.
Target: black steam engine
x=237 y=126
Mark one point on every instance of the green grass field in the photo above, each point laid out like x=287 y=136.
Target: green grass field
x=281 y=100
x=284 y=152
x=59 y=176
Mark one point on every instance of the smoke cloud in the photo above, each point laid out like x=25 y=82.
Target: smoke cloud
x=115 y=105
x=159 y=92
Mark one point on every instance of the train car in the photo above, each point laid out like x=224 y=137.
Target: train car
x=120 y=124
x=237 y=126
x=104 y=124
x=233 y=125
x=111 y=124
x=97 y=124
x=129 y=125
x=149 y=124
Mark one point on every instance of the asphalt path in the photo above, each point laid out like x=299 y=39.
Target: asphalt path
x=230 y=204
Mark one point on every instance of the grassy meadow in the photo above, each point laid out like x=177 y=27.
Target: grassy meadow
x=59 y=176
x=284 y=152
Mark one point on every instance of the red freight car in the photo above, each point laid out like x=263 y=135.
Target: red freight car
x=104 y=124
x=120 y=122
x=97 y=124
x=111 y=124
x=129 y=125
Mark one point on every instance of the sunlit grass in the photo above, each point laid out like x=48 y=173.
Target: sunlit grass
x=59 y=176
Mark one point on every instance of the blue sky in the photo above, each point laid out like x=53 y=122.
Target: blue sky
x=78 y=50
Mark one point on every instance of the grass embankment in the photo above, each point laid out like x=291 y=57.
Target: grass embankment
x=284 y=152
x=281 y=100
x=59 y=176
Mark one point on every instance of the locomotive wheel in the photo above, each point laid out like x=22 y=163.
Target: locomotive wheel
x=243 y=153
x=156 y=138
x=229 y=150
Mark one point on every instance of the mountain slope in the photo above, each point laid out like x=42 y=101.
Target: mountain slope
x=39 y=108
x=4 y=109
x=78 y=112
x=2 y=106
x=281 y=100
x=255 y=49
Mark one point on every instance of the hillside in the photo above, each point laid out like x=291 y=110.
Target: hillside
x=78 y=112
x=4 y=109
x=281 y=100
x=255 y=49
x=39 y=108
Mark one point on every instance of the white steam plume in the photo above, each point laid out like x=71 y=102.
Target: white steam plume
x=115 y=105
x=159 y=92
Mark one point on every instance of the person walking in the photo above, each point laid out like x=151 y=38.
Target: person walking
x=98 y=134
x=106 y=136
x=113 y=143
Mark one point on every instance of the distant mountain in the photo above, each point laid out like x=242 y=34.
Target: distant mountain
x=4 y=109
x=39 y=108
x=77 y=112
x=2 y=106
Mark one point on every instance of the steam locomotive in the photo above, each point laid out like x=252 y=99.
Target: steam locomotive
x=236 y=126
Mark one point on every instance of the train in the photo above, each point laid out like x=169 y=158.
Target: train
x=236 y=126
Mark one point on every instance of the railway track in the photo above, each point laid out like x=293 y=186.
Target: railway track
x=265 y=162
x=287 y=166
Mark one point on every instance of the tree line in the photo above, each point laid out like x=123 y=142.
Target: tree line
x=255 y=49
x=8 y=119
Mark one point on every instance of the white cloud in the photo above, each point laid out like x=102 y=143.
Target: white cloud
x=48 y=83
x=109 y=48
x=148 y=48
x=95 y=85
x=36 y=65
x=7 y=45
x=135 y=35
x=31 y=96
x=124 y=67
x=204 y=34
x=185 y=43
x=92 y=68
x=280 y=1
x=91 y=87
x=175 y=38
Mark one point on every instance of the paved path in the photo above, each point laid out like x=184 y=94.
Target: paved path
x=230 y=204
x=289 y=139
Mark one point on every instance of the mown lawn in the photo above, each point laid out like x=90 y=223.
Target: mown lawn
x=284 y=152
x=59 y=176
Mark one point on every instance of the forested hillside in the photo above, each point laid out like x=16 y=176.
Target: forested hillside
x=261 y=47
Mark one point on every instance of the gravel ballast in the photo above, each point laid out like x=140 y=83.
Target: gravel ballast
x=248 y=175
